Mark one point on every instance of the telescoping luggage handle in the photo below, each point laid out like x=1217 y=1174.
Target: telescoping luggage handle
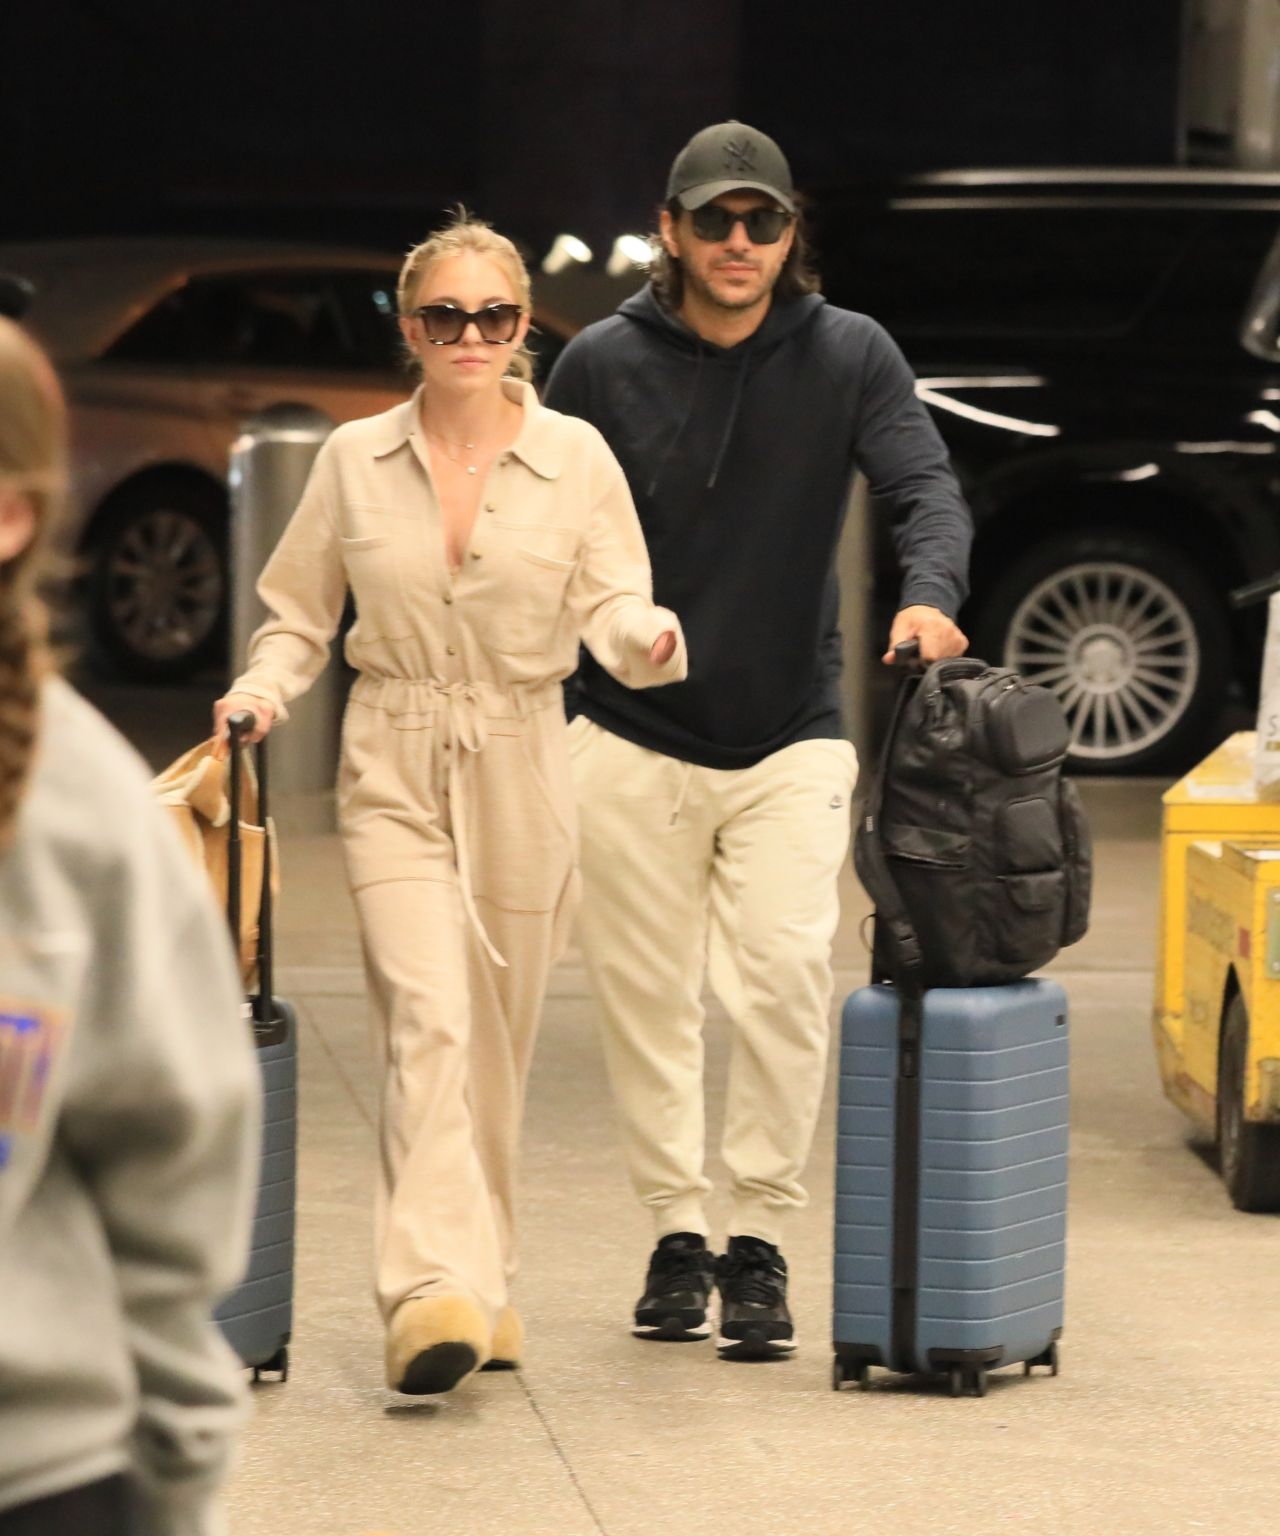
x=269 y=1025
x=907 y=974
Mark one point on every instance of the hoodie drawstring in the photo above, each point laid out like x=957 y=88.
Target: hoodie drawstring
x=684 y=422
x=732 y=422
x=686 y=777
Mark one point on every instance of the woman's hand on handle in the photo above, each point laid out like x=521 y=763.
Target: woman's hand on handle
x=263 y=714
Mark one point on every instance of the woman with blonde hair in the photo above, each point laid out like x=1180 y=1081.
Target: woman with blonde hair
x=483 y=536
x=128 y=1087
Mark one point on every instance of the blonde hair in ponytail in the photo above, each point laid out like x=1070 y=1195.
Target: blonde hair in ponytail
x=33 y=463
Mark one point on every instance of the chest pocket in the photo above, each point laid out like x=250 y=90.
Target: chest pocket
x=376 y=573
x=528 y=610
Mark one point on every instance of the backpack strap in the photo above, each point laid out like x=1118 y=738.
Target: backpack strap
x=893 y=923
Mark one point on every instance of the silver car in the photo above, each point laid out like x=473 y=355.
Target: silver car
x=164 y=347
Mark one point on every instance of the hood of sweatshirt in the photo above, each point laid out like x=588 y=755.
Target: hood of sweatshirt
x=782 y=321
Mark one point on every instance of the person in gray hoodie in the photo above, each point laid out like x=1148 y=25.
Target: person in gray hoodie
x=129 y=1094
x=715 y=817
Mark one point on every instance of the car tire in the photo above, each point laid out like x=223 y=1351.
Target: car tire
x=157 y=580
x=1128 y=633
x=1248 y=1153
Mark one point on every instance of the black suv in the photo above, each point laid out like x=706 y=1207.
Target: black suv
x=1100 y=350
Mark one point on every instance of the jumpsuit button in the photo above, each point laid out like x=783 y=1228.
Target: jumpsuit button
x=475 y=554
x=449 y=651
x=448 y=597
x=489 y=507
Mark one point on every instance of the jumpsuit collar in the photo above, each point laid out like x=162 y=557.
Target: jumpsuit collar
x=538 y=444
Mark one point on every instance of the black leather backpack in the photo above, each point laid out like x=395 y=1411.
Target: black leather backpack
x=972 y=844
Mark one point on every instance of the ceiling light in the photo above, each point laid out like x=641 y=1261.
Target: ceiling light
x=629 y=252
x=565 y=252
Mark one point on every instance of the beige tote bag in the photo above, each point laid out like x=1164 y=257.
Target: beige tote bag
x=194 y=789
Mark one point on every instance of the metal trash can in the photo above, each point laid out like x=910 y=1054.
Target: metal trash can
x=270 y=462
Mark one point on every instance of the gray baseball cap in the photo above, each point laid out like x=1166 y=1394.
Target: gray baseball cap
x=730 y=157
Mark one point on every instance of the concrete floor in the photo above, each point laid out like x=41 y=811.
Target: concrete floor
x=1164 y=1418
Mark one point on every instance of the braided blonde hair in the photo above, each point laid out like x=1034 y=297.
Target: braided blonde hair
x=467 y=233
x=33 y=449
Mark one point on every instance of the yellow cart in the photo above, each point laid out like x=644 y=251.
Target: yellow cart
x=1217 y=1005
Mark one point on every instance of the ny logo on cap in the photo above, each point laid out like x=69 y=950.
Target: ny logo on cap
x=739 y=155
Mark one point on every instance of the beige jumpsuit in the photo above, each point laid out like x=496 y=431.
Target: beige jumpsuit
x=455 y=799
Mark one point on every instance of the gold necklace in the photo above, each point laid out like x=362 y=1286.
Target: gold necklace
x=448 y=443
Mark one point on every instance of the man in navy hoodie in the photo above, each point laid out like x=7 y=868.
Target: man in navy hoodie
x=715 y=812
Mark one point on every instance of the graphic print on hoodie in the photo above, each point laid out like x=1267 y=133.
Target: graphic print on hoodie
x=741 y=460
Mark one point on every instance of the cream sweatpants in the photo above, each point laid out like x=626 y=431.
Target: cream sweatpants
x=731 y=873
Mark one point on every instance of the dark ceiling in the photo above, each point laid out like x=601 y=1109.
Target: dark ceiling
x=361 y=122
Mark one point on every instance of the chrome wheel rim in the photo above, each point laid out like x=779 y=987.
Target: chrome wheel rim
x=1118 y=648
x=164 y=585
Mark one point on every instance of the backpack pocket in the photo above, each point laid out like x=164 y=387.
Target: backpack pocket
x=1027 y=837
x=1077 y=846
x=931 y=868
x=926 y=845
x=1025 y=728
x=1028 y=927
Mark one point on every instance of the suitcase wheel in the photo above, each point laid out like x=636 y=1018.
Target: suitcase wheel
x=1049 y=1359
x=278 y=1364
x=960 y=1381
x=840 y=1373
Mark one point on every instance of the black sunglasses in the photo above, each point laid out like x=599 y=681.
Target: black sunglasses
x=764 y=226
x=445 y=323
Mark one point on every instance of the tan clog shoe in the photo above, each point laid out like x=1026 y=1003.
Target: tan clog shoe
x=433 y=1343
x=508 y=1342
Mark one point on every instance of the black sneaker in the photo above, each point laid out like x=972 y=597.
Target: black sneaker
x=677 y=1289
x=754 y=1321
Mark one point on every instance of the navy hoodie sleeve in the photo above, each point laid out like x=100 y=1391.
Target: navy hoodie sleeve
x=906 y=464
x=566 y=389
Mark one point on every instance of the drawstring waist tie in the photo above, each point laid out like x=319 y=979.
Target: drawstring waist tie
x=463 y=711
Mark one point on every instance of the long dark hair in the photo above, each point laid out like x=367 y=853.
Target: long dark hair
x=799 y=274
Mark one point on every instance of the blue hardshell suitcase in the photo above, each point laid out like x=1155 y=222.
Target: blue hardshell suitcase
x=257 y=1317
x=951 y=1182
